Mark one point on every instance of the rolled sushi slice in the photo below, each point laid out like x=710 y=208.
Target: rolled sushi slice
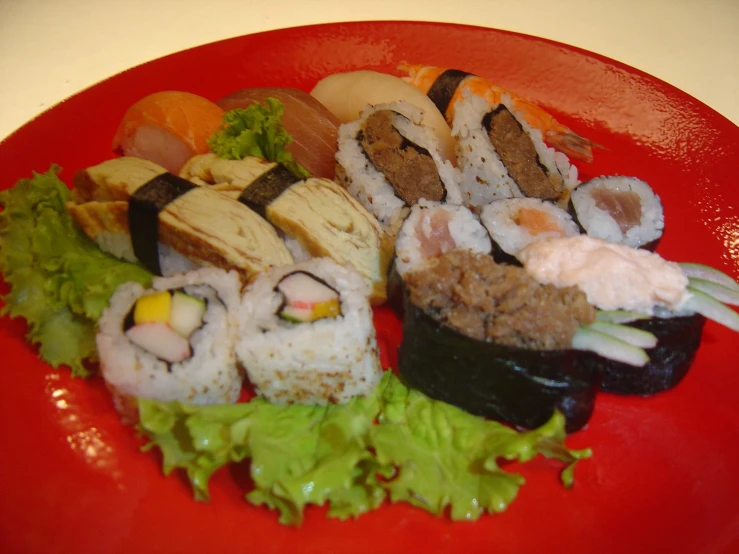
x=489 y=339
x=389 y=160
x=501 y=156
x=174 y=341
x=305 y=334
x=514 y=223
x=317 y=214
x=624 y=279
x=622 y=210
x=137 y=211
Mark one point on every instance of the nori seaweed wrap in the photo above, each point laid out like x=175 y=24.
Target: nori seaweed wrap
x=678 y=341
x=487 y=338
x=514 y=385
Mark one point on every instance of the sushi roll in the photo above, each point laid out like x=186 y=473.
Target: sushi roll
x=389 y=161
x=174 y=341
x=638 y=289
x=135 y=210
x=489 y=339
x=501 y=156
x=515 y=223
x=622 y=210
x=318 y=217
x=167 y=128
x=306 y=334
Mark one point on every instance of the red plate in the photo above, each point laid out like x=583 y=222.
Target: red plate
x=665 y=474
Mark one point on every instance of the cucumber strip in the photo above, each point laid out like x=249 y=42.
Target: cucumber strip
x=712 y=309
x=635 y=337
x=618 y=316
x=609 y=347
x=708 y=273
x=719 y=292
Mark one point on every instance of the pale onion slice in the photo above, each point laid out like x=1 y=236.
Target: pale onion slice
x=708 y=273
x=609 y=347
x=618 y=316
x=635 y=337
x=712 y=309
x=719 y=292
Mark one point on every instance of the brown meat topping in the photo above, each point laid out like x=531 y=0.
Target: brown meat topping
x=408 y=168
x=516 y=150
x=499 y=303
x=624 y=206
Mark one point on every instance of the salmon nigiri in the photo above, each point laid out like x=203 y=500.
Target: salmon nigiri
x=168 y=128
x=313 y=128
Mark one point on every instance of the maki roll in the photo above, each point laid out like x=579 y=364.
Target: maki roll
x=622 y=210
x=501 y=156
x=638 y=289
x=306 y=334
x=515 y=223
x=174 y=341
x=430 y=230
x=388 y=160
x=133 y=209
x=489 y=339
x=317 y=217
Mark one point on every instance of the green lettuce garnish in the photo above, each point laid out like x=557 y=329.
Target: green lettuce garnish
x=60 y=281
x=396 y=444
x=256 y=131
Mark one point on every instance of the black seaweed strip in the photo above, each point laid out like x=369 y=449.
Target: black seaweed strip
x=443 y=89
x=267 y=188
x=143 y=215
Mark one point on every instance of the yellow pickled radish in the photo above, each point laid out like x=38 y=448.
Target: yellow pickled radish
x=154 y=307
x=326 y=309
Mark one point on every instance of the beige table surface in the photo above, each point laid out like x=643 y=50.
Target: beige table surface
x=50 y=49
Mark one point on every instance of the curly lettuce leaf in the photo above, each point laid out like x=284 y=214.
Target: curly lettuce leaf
x=59 y=280
x=256 y=131
x=395 y=444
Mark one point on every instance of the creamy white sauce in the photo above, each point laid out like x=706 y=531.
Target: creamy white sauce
x=614 y=277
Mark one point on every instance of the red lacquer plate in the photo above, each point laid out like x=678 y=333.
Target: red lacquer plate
x=665 y=472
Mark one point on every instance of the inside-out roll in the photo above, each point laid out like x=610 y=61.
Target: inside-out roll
x=174 y=341
x=514 y=223
x=318 y=217
x=306 y=334
x=623 y=210
x=501 y=156
x=388 y=160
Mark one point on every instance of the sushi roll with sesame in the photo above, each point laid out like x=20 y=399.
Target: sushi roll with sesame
x=389 y=160
x=174 y=341
x=306 y=334
x=501 y=156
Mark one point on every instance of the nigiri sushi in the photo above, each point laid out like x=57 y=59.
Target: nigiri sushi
x=313 y=128
x=168 y=128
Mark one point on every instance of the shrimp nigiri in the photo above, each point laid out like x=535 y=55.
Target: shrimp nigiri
x=446 y=86
x=168 y=128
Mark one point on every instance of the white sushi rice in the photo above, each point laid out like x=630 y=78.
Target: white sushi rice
x=484 y=176
x=499 y=218
x=464 y=227
x=367 y=184
x=327 y=361
x=598 y=223
x=209 y=376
